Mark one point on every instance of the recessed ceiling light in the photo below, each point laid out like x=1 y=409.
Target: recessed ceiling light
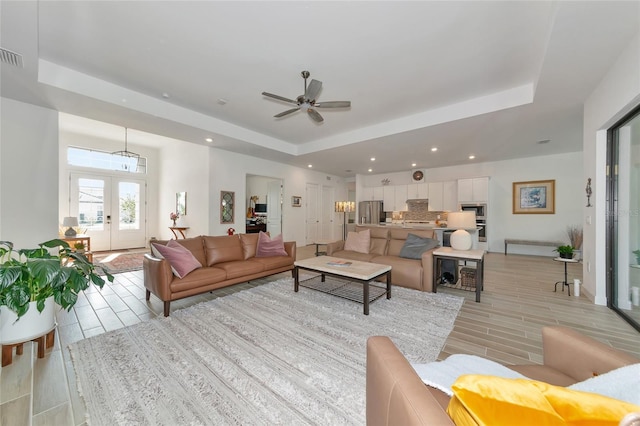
x=471 y=157
x=434 y=149
x=370 y=170
x=543 y=141
x=222 y=101
x=373 y=158
x=209 y=139
x=165 y=95
x=413 y=164
x=310 y=165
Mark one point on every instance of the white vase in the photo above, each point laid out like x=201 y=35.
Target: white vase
x=31 y=325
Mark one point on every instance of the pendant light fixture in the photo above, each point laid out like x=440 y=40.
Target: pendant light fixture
x=129 y=158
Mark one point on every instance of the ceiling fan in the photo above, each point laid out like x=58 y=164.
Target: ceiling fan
x=307 y=102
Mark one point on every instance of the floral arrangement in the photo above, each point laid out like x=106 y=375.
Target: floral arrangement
x=174 y=216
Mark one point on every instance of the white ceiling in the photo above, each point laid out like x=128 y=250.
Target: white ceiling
x=484 y=78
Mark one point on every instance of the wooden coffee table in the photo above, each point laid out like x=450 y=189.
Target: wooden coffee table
x=352 y=271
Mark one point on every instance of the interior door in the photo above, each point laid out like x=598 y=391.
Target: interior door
x=111 y=209
x=327 y=213
x=274 y=210
x=313 y=220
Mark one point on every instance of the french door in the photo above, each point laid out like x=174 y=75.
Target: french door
x=112 y=209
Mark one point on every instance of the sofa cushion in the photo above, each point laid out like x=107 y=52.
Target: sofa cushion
x=249 y=245
x=199 y=278
x=414 y=246
x=479 y=399
x=225 y=248
x=379 y=238
x=268 y=247
x=358 y=241
x=274 y=262
x=182 y=261
x=240 y=268
x=354 y=255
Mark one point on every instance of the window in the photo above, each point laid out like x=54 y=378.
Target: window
x=105 y=160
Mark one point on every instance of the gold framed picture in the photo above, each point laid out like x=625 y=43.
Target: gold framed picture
x=534 y=197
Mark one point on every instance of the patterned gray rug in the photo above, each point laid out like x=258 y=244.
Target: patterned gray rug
x=262 y=356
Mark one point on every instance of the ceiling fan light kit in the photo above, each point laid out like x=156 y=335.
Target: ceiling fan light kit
x=307 y=101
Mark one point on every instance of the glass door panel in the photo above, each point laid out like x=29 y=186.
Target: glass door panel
x=129 y=219
x=91 y=203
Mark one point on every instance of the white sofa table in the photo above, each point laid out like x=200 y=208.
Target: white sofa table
x=476 y=256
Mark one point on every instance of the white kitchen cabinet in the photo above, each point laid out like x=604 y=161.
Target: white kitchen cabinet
x=436 y=196
x=400 y=198
x=389 y=198
x=412 y=191
x=450 y=196
x=473 y=189
x=378 y=193
x=423 y=190
x=367 y=194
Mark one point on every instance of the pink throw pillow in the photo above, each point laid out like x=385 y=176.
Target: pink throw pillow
x=358 y=241
x=268 y=247
x=182 y=261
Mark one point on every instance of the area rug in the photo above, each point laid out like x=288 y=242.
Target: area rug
x=263 y=356
x=116 y=263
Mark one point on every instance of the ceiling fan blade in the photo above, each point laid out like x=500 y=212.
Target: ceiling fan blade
x=315 y=115
x=287 y=112
x=280 y=98
x=313 y=90
x=333 y=104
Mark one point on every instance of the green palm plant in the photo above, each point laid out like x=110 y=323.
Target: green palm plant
x=33 y=275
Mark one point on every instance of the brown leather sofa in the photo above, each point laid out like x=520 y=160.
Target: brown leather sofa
x=397 y=396
x=384 y=249
x=225 y=260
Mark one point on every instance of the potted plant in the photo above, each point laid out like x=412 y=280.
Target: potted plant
x=31 y=280
x=565 y=252
x=79 y=246
x=637 y=253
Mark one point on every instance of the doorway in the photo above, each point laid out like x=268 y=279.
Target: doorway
x=111 y=209
x=267 y=193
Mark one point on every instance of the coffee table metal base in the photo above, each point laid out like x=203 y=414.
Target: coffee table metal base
x=343 y=288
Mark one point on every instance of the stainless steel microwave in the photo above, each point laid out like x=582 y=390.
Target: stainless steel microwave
x=479 y=209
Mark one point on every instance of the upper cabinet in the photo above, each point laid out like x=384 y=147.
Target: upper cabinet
x=372 y=193
x=473 y=190
x=443 y=196
x=378 y=193
x=389 y=198
x=400 y=198
x=417 y=191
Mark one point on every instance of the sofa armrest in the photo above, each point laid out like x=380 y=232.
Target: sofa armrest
x=290 y=248
x=157 y=276
x=579 y=356
x=395 y=393
x=427 y=270
x=334 y=247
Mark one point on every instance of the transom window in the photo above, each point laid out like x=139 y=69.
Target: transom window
x=105 y=160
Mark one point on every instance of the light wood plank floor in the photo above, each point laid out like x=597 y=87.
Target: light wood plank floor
x=517 y=301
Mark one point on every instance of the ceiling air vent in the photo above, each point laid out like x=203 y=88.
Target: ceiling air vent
x=11 y=58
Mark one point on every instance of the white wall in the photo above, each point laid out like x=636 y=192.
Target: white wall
x=183 y=167
x=615 y=96
x=566 y=169
x=228 y=172
x=28 y=173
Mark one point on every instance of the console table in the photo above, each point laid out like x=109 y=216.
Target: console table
x=80 y=238
x=254 y=229
x=476 y=256
x=180 y=229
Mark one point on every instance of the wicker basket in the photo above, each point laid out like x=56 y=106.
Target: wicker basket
x=468 y=277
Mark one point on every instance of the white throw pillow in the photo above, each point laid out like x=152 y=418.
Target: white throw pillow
x=358 y=241
x=622 y=383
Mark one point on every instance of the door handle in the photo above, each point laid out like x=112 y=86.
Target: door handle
x=108 y=219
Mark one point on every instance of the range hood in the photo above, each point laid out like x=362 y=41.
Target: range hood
x=418 y=201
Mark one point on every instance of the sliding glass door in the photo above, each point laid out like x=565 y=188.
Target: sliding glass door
x=623 y=220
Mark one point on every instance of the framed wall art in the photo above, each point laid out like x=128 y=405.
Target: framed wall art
x=534 y=197
x=296 y=201
x=181 y=203
x=227 y=203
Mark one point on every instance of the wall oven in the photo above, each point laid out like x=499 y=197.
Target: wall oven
x=481 y=218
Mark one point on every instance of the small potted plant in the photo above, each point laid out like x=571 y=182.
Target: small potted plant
x=79 y=247
x=31 y=280
x=565 y=252
x=637 y=253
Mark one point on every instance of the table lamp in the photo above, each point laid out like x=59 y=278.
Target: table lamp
x=70 y=221
x=461 y=221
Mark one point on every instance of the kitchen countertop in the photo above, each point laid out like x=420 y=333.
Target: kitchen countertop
x=414 y=226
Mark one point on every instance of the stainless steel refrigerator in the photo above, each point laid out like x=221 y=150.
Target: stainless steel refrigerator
x=371 y=212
